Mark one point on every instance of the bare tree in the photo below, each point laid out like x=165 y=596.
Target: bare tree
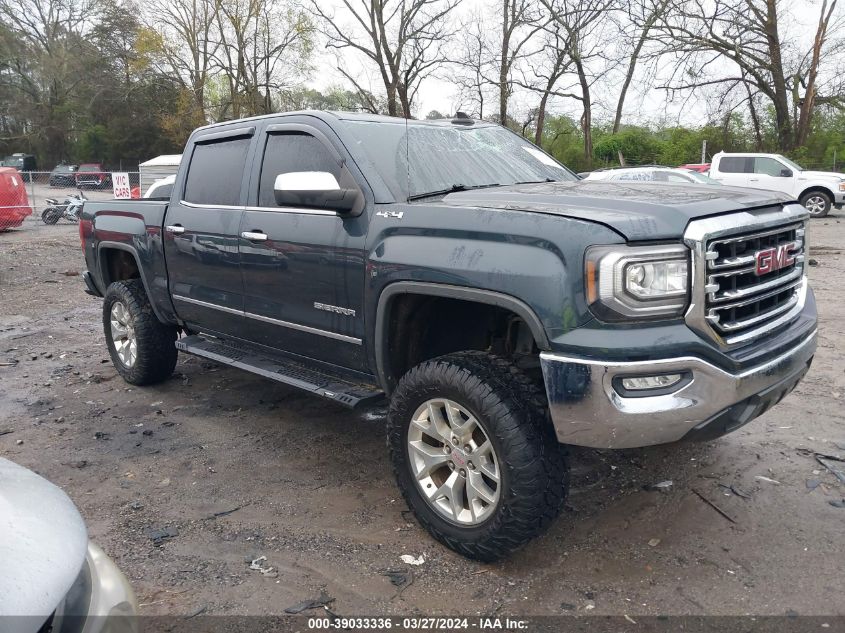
x=402 y=38
x=547 y=67
x=642 y=16
x=187 y=45
x=519 y=25
x=262 y=46
x=581 y=24
x=748 y=34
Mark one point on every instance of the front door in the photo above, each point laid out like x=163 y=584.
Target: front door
x=772 y=175
x=303 y=269
x=201 y=234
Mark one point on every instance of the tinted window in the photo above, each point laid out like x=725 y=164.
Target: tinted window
x=669 y=176
x=216 y=171
x=736 y=165
x=288 y=152
x=768 y=166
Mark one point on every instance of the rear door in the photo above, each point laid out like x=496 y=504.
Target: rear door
x=201 y=232
x=735 y=171
x=304 y=274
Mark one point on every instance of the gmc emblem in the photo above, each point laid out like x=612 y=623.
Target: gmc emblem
x=772 y=259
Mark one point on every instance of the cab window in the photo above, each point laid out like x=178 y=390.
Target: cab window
x=288 y=152
x=216 y=171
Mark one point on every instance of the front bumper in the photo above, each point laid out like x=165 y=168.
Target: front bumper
x=100 y=601
x=588 y=409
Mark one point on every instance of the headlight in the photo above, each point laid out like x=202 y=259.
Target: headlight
x=637 y=282
x=842 y=186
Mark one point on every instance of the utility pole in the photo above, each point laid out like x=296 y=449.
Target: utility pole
x=703 y=151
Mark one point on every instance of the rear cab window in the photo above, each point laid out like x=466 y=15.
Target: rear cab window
x=736 y=165
x=216 y=171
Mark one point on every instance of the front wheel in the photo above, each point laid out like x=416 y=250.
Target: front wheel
x=50 y=216
x=142 y=348
x=818 y=203
x=474 y=455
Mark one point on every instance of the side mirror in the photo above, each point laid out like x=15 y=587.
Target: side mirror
x=786 y=173
x=314 y=190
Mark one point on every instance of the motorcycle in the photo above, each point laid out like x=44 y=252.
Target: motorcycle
x=69 y=209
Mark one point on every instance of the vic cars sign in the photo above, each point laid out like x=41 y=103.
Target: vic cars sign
x=120 y=185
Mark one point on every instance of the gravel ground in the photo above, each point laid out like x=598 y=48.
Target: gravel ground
x=308 y=485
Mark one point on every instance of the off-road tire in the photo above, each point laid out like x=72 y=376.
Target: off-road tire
x=828 y=203
x=157 y=354
x=512 y=408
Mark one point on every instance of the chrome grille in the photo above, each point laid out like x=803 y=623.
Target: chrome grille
x=741 y=300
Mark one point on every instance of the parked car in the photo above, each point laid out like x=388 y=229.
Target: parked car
x=24 y=163
x=54 y=579
x=651 y=174
x=818 y=191
x=503 y=306
x=92 y=175
x=701 y=168
x=161 y=188
x=14 y=201
x=63 y=176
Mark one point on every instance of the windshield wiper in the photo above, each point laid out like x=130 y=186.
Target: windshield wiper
x=535 y=182
x=452 y=189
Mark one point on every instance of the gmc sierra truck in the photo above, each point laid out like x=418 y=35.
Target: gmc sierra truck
x=502 y=306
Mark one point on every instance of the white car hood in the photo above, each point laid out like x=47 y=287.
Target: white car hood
x=826 y=175
x=43 y=542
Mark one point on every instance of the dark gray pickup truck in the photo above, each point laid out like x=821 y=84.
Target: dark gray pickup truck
x=503 y=306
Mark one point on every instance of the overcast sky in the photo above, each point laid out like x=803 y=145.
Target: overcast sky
x=643 y=104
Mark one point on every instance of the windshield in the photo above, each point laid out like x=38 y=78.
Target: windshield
x=14 y=161
x=699 y=177
x=791 y=163
x=89 y=168
x=454 y=157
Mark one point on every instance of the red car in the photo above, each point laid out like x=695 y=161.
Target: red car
x=701 y=168
x=92 y=175
x=14 y=202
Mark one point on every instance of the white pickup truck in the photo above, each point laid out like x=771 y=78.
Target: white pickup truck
x=818 y=191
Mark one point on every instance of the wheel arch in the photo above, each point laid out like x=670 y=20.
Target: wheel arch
x=107 y=272
x=482 y=297
x=820 y=188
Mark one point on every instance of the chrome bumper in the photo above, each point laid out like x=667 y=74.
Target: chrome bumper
x=588 y=410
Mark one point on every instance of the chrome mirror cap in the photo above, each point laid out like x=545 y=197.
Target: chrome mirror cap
x=306 y=181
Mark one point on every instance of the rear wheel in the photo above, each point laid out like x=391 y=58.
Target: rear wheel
x=141 y=347
x=50 y=216
x=818 y=203
x=474 y=454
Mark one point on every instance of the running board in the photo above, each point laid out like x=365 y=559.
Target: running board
x=283 y=370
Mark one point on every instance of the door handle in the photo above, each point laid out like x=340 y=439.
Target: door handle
x=177 y=229
x=753 y=180
x=254 y=236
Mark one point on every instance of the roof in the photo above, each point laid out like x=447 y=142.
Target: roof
x=165 y=160
x=347 y=116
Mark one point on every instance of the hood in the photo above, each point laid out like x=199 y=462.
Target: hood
x=43 y=542
x=639 y=211
x=825 y=175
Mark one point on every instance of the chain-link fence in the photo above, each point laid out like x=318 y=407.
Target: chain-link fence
x=24 y=196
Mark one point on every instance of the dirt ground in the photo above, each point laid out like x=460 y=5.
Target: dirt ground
x=308 y=484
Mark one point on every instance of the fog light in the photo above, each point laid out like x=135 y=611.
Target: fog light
x=641 y=383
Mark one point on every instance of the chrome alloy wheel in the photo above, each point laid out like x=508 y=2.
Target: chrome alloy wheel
x=123 y=334
x=453 y=462
x=815 y=205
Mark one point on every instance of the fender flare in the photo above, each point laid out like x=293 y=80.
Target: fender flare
x=120 y=246
x=821 y=188
x=476 y=295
